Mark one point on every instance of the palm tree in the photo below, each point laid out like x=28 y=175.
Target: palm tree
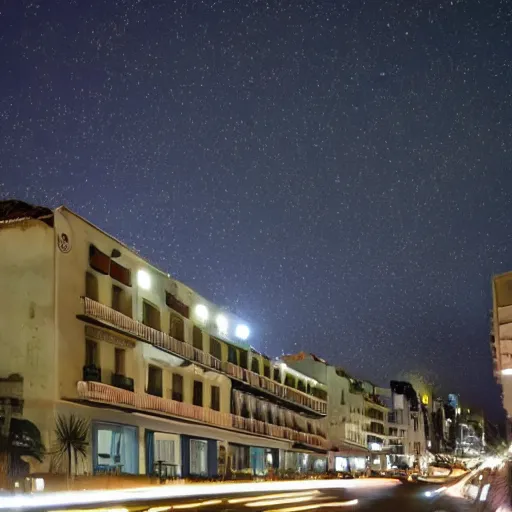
x=72 y=439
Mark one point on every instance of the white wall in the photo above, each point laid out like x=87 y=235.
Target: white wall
x=27 y=337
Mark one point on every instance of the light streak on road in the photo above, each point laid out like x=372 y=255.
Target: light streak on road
x=270 y=496
x=177 y=491
x=314 y=506
x=197 y=504
x=281 y=501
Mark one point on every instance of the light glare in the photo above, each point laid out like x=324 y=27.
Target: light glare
x=242 y=332
x=70 y=498
x=202 y=312
x=143 y=279
x=282 y=501
x=222 y=324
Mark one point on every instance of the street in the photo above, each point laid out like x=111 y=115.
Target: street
x=360 y=495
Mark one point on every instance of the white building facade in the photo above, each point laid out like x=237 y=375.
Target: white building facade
x=501 y=340
x=166 y=379
x=368 y=428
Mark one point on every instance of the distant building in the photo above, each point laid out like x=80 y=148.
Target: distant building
x=407 y=417
x=367 y=426
x=501 y=340
x=167 y=379
x=346 y=424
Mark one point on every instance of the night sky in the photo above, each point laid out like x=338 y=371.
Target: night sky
x=337 y=172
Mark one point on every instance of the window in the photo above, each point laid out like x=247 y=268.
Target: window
x=117 y=295
x=215 y=348
x=277 y=375
x=98 y=260
x=120 y=355
x=240 y=457
x=232 y=355
x=342 y=397
x=300 y=386
x=289 y=381
x=215 y=398
x=255 y=364
x=197 y=398
x=266 y=369
x=121 y=301
x=198 y=457
x=416 y=423
x=120 y=273
x=197 y=338
x=178 y=306
x=177 y=387
x=91 y=353
x=150 y=315
x=91 y=286
x=243 y=359
x=115 y=448
x=154 y=380
x=166 y=449
x=177 y=329
x=245 y=410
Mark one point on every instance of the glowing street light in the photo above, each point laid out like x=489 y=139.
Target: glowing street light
x=242 y=331
x=143 y=279
x=202 y=313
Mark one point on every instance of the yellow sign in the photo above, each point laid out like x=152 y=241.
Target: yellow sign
x=424 y=399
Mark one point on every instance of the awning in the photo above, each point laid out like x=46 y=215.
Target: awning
x=304 y=448
x=348 y=450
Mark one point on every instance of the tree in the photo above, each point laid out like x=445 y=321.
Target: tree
x=72 y=439
x=23 y=439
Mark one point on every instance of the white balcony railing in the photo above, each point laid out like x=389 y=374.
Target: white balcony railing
x=99 y=392
x=162 y=340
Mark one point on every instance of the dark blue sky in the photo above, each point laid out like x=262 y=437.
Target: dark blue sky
x=337 y=172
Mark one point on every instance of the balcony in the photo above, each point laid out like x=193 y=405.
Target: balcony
x=399 y=434
x=98 y=392
x=397 y=449
x=122 y=382
x=92 y=373
x=107 y=316
x=375 y=400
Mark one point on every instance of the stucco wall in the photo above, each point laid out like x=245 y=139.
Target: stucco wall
x=27 y=340
x=72 y=267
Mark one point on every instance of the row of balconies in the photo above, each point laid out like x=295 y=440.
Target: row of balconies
x=98 y=392
x=107 y=315
x=92 y=373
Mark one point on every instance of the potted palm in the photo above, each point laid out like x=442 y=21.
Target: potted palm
x=72 y=434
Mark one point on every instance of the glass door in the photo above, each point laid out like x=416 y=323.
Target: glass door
x=198 y=457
